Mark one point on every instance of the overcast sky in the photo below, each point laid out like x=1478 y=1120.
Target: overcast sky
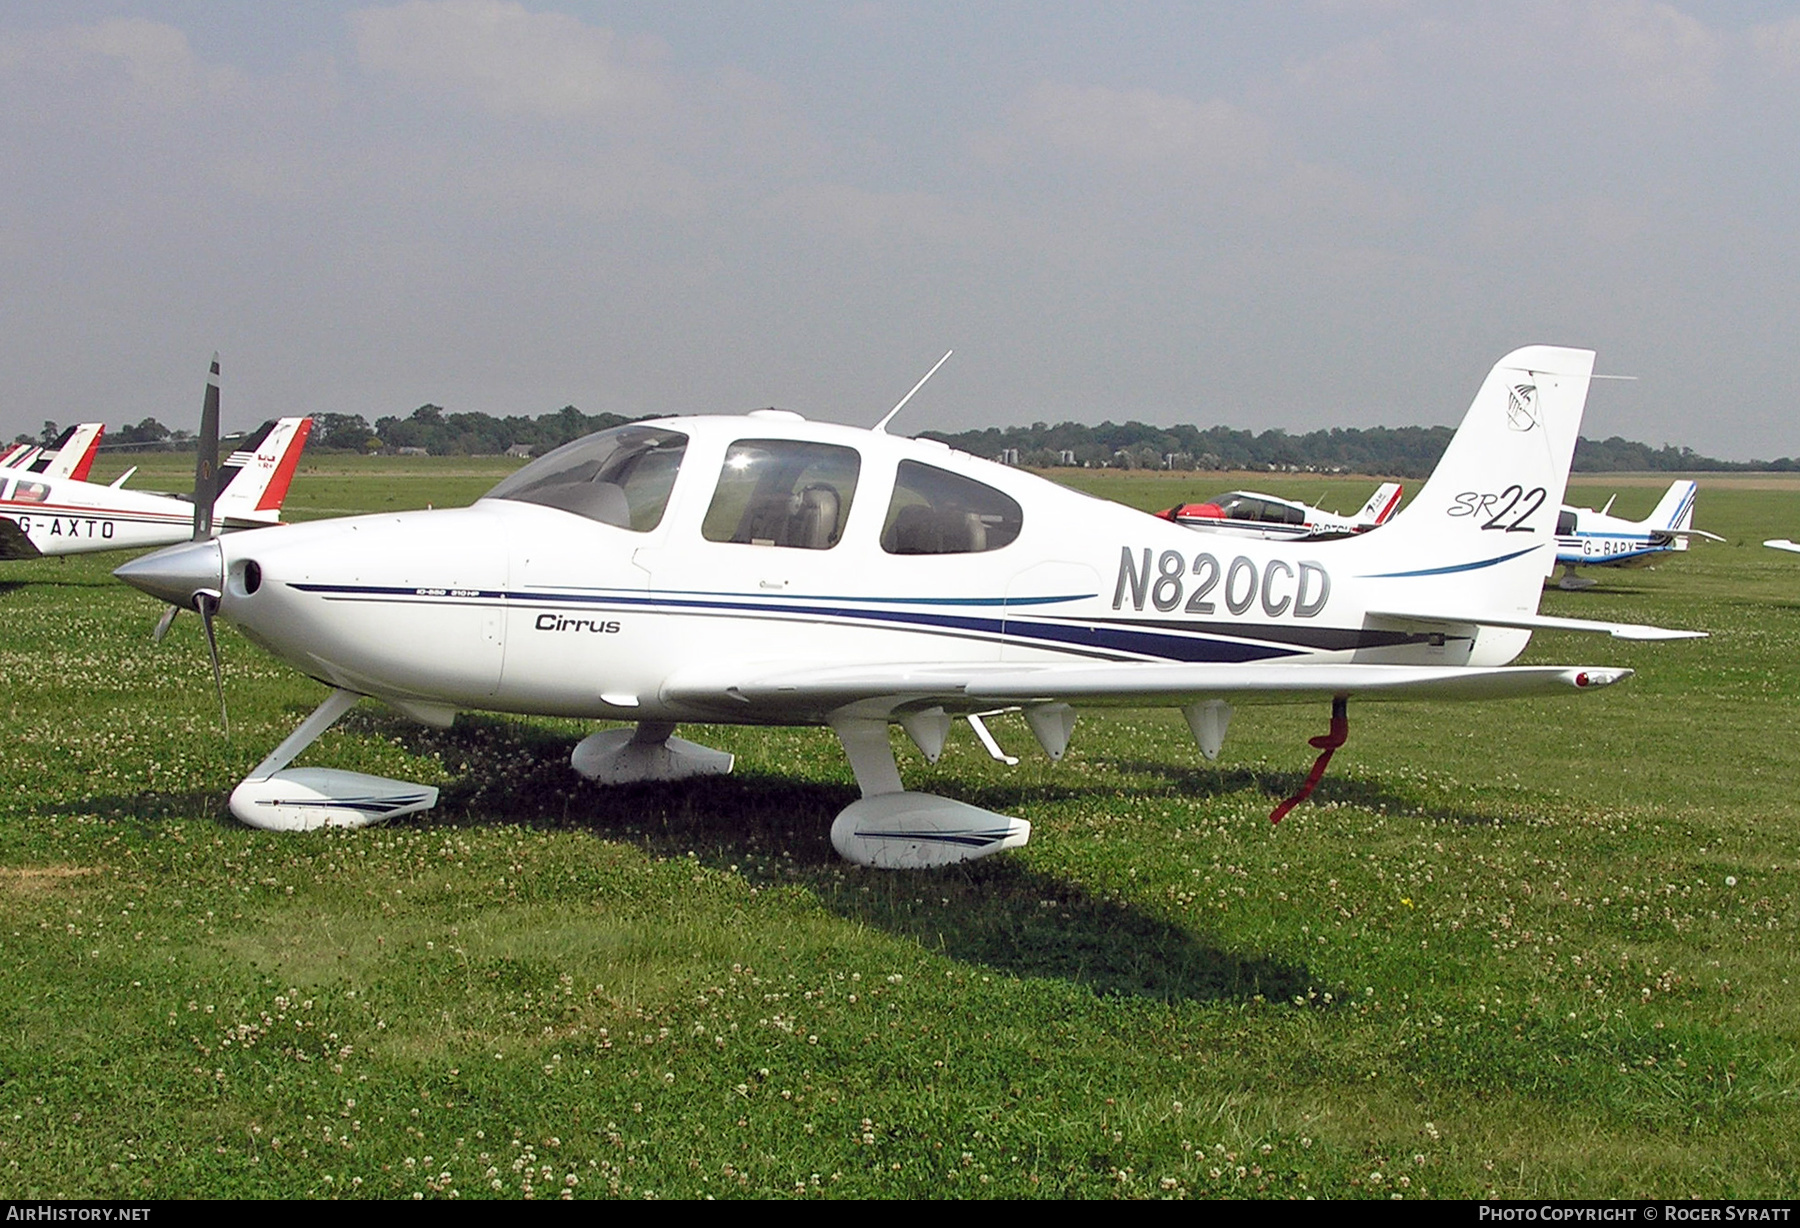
x=1297 y=215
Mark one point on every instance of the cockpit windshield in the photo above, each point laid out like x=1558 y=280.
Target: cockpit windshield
x=619 y=477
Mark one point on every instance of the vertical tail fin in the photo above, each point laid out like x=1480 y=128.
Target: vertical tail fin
x=1676 y=508
x=75 y=457
x=257 y=475
x=1480 y=535
x=1381 y=504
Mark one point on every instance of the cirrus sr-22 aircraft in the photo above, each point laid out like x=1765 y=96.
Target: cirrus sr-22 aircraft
x=767 y=570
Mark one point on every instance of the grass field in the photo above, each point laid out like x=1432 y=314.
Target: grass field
x=1531 y=949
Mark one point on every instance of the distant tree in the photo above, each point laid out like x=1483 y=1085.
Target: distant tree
x=340 y=433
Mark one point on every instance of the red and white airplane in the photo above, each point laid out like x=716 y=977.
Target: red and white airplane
x=1244 y=513
x=71 y=456
x=50 y=513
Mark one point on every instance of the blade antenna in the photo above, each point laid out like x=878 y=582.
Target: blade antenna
x=881 y=427
x=206 y=464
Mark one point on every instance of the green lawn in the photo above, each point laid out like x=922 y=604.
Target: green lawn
x=1531 y=949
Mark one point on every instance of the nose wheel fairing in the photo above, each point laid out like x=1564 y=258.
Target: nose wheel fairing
x=277 y=798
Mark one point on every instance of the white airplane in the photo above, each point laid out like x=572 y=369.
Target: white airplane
x=1782 y=543
x=42 y=514
x=766 y=570
x=1588 y=538
x=72 y=457
x=1244 y=513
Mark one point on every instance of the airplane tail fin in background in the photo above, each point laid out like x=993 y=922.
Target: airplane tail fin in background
x=75 y=457
x=254 y=480
x=1676 y=511
x=1381 y=504
x=50 y=451
x=1480 y=536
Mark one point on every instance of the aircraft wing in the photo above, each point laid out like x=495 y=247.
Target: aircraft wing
x=1782 y=543
x=1542 y=622
x=974 y=687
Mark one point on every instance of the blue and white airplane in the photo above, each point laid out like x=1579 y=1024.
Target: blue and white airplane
x=1588 y=538
x=767 y=570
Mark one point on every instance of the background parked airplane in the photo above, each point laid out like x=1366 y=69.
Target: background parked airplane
x=43 y=514
x=1244 y=513
x=1588 y=538
x=71 y=456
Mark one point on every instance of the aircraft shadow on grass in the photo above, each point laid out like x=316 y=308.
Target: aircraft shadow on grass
x=999 y=914
x=1207 y=781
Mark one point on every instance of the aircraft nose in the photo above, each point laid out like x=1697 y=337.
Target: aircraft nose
x=175 y=574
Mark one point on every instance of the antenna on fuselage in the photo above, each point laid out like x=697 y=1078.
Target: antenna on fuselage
x=880 y=428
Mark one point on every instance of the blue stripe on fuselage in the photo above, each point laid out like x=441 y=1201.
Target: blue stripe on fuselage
x=1109 y=640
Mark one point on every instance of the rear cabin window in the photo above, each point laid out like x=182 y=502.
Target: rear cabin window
x=620 y=477
x=934 y=511
x=783 y=492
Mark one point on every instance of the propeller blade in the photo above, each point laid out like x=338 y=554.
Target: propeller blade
x=207 y=602
x=162 y=624
x=206 y=465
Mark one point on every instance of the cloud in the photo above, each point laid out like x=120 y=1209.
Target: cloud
x=1777 y=44
x=505 y=58
x=1140 y=126
x=152 y=61
x=900 y=221
x=1360 y=71
x=1662 y=54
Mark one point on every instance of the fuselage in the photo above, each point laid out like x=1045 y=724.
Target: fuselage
x=64 y=516
x=722 y=544
x=1590 y=538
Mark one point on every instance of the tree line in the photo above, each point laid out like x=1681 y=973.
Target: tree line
x=1405 y=451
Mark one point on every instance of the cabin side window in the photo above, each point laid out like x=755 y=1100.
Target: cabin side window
x=1565 y=524
x=1239 y=507
x=934 y=511
x=783 y=492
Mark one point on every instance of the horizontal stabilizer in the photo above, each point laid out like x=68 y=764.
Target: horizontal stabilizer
x=1542 y=622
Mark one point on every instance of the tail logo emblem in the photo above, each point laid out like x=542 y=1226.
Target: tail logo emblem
x=1521 y=407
